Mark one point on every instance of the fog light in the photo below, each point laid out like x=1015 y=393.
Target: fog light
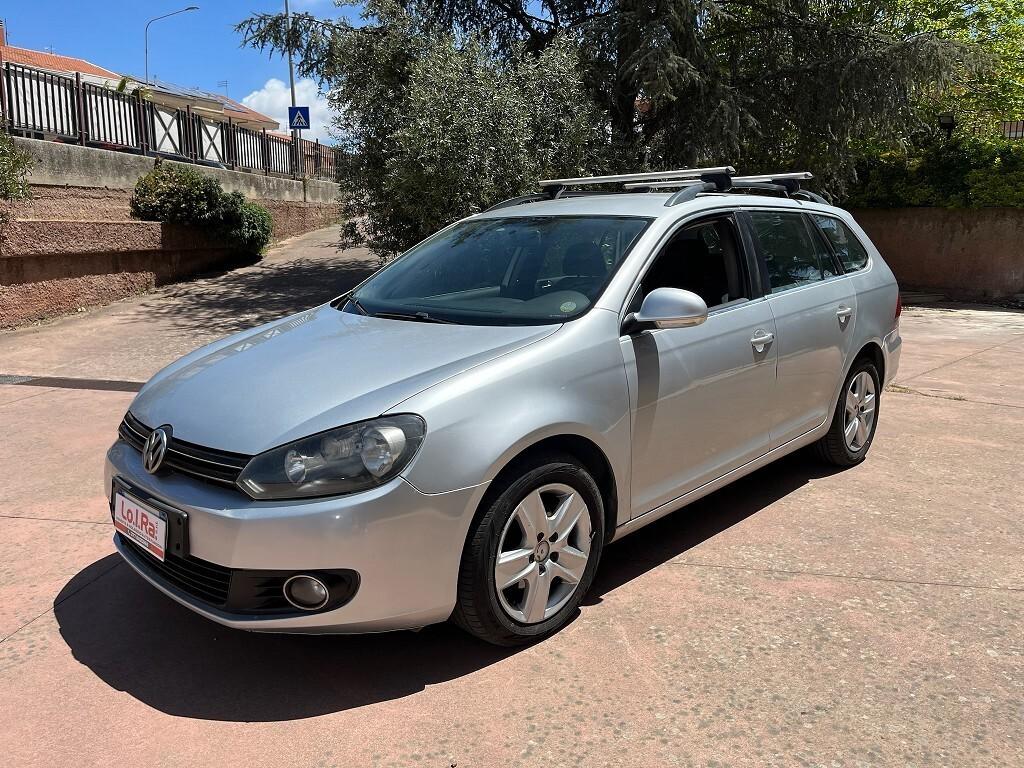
x=306 y=593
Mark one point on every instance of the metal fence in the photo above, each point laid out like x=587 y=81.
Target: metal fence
x=45 y=105
x=1013 y=129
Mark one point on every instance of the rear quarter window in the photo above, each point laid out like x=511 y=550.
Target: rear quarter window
x=844 y=242
x=793 y=254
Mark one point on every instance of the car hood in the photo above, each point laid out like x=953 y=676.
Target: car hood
x=313 y=371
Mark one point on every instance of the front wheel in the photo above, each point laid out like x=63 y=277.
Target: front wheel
x=531 y=556
x=853 y=425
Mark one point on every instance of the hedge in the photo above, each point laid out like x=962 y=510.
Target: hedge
x=961 y=173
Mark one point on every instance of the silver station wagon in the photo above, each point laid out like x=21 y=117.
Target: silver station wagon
x=461 y=435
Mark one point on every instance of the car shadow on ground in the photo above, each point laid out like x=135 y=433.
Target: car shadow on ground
x=139 y=641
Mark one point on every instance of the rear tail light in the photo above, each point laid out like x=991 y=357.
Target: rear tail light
x=899 y=306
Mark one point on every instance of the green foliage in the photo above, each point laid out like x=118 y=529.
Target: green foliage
x=468 y=131
x=175 y=193
x=989 y=87
x=434 y=128
x=963 y=173
x=247 y=224
x=15 y=167
x=182 y=195
x=441 y=103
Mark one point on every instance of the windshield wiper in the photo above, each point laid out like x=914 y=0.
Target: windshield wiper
x=417 y=317
x=355 y=303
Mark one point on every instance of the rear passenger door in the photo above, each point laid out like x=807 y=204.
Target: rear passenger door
x=814 y=308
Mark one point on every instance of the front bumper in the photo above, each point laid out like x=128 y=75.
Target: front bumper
x=405 y=545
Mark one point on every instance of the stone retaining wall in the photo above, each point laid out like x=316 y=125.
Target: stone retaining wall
x=74 y=243
x=47 y=271
x=56 y=164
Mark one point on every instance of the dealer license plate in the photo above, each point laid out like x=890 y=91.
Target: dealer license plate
x=144 y=526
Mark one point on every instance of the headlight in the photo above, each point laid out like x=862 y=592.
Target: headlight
x=343 y=460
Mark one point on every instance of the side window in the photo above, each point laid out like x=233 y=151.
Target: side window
x=704 y=258
x=794 y=256
x=844 y=242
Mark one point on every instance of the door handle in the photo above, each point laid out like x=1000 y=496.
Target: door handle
x=844 y=313
x=761 y=339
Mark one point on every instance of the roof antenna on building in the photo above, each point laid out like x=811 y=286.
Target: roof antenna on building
x=223 y=84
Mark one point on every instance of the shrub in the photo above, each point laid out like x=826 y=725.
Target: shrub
x=15 y=166
x=252 y=234
x=173 y=193
x=964 y=173
x=14 y=169
x=176 y=194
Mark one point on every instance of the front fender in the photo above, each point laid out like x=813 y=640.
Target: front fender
x=570 y=383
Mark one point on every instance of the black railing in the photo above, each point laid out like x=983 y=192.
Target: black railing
x=44 y=105
x=1013 y=129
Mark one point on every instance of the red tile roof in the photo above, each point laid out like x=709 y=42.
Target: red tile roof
x=236 y=106
x=53 y=61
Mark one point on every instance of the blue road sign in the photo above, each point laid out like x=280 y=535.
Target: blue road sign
x=298 y=117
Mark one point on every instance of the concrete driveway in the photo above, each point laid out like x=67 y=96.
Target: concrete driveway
x=799 y=617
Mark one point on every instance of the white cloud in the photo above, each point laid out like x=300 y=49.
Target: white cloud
x=274 y=98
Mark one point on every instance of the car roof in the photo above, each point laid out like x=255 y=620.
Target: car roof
x=645 y=204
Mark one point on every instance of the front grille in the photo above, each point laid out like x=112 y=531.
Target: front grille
x=207 y=581
x=237 y=590
x=208 y=464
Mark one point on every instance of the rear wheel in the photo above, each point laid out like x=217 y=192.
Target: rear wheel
x=532 y=554
x=856 y=415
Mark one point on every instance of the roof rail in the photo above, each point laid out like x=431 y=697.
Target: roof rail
x=791 y=183
x=680 y=173
x=669 y=184
x=690 y=192
x=777 y=177
x=694 y=181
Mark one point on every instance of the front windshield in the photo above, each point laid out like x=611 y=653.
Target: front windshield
x=503 y=271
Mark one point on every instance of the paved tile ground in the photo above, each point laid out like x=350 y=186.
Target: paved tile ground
x=798 y=617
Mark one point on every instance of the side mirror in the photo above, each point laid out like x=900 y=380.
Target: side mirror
x=668 y=308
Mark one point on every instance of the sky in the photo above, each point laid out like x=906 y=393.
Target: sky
x=198 y=49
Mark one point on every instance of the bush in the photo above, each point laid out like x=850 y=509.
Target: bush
x=254 y=228
x=180 y=195
x=173 y=193
x=963 y=173
x=14 y=169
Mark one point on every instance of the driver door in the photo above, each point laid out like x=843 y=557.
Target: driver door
x=701 y=397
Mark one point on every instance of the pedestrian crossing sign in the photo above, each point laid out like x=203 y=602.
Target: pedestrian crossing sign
x=298 y=118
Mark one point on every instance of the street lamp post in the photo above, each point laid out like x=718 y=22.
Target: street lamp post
x=291 y=80
x=172 y=13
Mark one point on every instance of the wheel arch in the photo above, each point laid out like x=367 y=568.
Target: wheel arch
x=583 y=449
x=872 y=351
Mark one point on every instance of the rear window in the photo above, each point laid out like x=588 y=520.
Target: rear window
x=844 y=242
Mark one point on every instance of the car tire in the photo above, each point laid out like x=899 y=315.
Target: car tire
x=511 y=615
x=855 y=419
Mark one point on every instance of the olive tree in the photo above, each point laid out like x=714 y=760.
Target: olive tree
x=434 y=127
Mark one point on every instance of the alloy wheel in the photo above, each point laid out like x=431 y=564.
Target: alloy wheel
x=542 y=553
x=860 y=411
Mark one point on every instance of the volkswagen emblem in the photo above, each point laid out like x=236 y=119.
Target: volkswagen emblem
x=155 y=448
